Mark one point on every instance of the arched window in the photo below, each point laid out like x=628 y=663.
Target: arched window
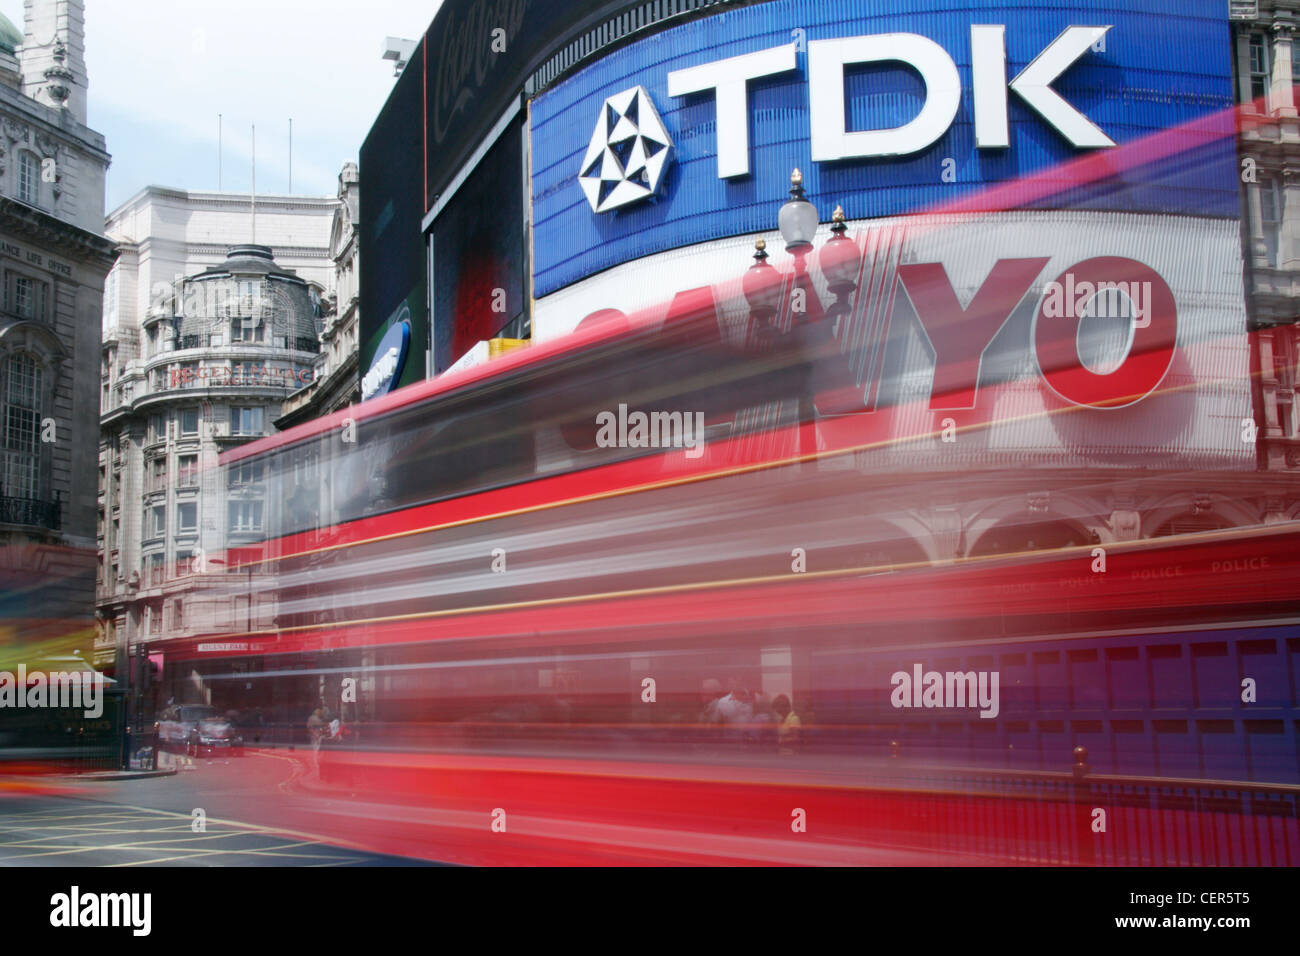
x=1020 y=533
x=29 y=178
x=23 y=381
x=1191 y=523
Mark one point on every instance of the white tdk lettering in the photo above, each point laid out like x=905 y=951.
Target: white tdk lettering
x=828 y=58
x=730 y=78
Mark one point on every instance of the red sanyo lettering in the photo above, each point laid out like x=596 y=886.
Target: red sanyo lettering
x=959 y=336
x=1149 y=356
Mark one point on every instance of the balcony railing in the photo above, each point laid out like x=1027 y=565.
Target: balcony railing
x=32 y=512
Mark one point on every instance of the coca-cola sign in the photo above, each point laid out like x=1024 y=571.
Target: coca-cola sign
x=475 y=60
x=467 y=49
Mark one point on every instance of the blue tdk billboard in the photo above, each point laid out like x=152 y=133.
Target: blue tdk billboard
x=888 y=107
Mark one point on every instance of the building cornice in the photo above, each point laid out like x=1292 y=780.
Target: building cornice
x=56 y=122
x=222 y=201
x=21 y=220
x=182 y=248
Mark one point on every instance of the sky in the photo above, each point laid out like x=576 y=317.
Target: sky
x=161 y=70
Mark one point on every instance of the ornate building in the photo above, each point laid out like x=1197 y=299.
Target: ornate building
x=1270 y=162
x=53 y=260
x=336 y=382
x=204 y=337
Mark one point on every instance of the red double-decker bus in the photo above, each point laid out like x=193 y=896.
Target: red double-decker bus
x=492 y=634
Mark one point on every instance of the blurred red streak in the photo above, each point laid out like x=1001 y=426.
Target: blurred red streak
x=1147 y=575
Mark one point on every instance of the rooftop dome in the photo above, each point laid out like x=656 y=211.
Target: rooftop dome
x=282 y=299
x=11 y=38
x=246 y=258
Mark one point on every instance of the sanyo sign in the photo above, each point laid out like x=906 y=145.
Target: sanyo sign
x=827 y=59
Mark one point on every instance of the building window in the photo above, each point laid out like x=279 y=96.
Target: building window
x=188 y=468
x=159 y=475
x=246 y=473
x=155 y=569
x=1259 y=69
x=28 y=178
x=22 y=426
x=245 y=421
x=1270 y=215
x=26 y=297
x=189 y=421
x=157 y=427
x=158 y=524
x=245 y=516
x=246 y=329
x=178 y=617
x=249 y=296
x=187 y=516
x=185 y=563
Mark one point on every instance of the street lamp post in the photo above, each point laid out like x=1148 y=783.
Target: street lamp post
x=839 y=260
x=798 y=224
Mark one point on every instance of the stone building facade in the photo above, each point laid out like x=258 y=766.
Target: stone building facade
x=204 y=336
x=1270 y=155
x=53 y=261
x=336 y=383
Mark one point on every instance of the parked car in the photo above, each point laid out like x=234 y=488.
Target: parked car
x=198 y=730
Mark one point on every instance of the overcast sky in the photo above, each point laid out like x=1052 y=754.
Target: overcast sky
x=161 y=70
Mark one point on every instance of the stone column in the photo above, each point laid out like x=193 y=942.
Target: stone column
x=1255 y=212
x=1268 y=382
x=1281 y=99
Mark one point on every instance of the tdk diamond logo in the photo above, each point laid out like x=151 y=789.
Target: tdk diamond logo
x=629 y=151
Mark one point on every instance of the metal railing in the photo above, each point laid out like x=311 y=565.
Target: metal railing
x=33 y=512
x=1083 y=819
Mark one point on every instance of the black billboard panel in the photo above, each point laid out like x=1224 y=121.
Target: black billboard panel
x=479 y=259
x=392 y=207
x=480 y=52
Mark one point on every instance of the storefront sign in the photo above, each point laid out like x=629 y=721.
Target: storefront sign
x=218 y=376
